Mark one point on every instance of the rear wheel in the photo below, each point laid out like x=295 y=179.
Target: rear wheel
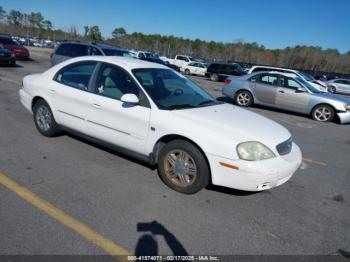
x=44 y=119
x=323 y=113
x=244 y=98
x=214 y=77
x=183 y=167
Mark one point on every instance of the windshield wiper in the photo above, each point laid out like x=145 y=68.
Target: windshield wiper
x=180 y=106
x=206 y=102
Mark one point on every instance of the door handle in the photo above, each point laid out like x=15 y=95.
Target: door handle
x=96 y=105
x=52 y=91
x=281 y=91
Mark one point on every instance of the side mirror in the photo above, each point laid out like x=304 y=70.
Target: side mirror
x=130 y=98
x=300 y=90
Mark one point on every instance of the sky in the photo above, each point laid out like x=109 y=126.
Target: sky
x=272 y=23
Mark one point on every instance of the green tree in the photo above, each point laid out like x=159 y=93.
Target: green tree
x=15 y=18
x=93 y=33
x=2 y=14
x=118 y=32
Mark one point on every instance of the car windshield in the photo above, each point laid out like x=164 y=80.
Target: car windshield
x=308 y=85
x=116 y=52
x=170 y=90
x=306 y=76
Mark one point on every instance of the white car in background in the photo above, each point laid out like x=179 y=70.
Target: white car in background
x=157 y=115
x=320 y=85
x=194 y=68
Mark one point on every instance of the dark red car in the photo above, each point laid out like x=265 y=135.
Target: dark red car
x=19 y=51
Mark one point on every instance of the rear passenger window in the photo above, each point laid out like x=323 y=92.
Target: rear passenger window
x=76 y=75
x=78 y=50
x=63 y=49
x=95 y=51
x=269 y=79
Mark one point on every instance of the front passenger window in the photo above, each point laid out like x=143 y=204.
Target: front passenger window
x=114 y=82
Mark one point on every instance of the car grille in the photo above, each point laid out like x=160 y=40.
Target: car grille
x=285 y=147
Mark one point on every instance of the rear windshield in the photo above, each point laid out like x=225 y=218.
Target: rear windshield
x=7 y=41
x=115 y=52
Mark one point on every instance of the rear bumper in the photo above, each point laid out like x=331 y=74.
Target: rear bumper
x=344 y=117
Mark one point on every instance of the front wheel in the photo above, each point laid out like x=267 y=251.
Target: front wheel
x=44 y=119
x=187 y=72
x=182 y=167
x=332 y=89
x=323 y=113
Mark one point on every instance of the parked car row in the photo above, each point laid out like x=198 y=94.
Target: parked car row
x=287 y=91
x=19 y=51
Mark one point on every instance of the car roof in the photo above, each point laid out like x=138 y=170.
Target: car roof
x=273 y=67
x=125 y=62
x=100 y=45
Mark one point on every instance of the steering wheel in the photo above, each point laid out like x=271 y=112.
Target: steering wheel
x=177 y=92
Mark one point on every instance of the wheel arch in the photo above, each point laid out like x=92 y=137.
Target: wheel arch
x=323 y=103
x=170 y=137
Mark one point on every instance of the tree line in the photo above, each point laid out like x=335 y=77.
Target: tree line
x=309 y=58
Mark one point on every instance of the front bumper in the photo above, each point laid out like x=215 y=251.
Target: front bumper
x=344 y=117
x=255 y=175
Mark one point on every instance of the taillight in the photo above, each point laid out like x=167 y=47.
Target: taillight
x=51 y=55
x=228 y=81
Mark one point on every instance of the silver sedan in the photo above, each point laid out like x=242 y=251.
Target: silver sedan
x=339 y=86
x=288 y=92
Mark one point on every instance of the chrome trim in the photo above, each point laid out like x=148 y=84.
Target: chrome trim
x=120 y=131
x=70 y=115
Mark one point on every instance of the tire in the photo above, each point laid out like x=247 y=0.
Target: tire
x=332 y=89
x=214 y=77
x=175 y=158
x=323 y=113
x=187 y=72
x=44 y=119
x=244 y=98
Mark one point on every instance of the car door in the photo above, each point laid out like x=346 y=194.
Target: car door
x=110 y=119
x=69 y=93
x=290 y=97
x=264 y=88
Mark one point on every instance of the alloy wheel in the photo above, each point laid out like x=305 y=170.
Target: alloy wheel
x=43 y=118
x=180 y=168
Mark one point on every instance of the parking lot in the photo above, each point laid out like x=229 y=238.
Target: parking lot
x=106 y=196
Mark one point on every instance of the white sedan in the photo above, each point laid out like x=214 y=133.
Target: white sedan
x=194 y=68
x=157 y=115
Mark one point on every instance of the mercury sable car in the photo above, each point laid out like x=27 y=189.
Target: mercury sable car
x=155 y=114
x=289 y=92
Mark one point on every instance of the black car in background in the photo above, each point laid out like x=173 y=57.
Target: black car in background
x=219 y=72
x=160 y=61
x=6 y=56
x=67 y=50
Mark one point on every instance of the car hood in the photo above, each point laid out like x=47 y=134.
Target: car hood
x=335 y=97
x=236 y=123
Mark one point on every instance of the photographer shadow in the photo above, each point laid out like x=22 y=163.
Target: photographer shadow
x=147 y=244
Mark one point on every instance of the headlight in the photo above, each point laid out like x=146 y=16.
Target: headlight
x=253 y=151
x=347 y=107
